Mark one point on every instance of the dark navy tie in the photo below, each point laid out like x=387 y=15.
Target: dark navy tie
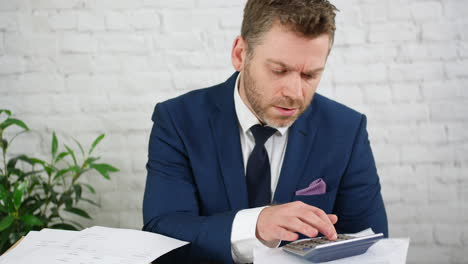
x=258 y=168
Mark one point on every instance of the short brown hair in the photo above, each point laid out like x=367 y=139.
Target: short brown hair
x=309 y=18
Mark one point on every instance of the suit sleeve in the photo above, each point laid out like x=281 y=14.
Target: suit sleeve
x=359 y=204
x=170 y=204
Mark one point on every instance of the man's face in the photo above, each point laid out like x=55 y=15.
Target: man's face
x=279 y=80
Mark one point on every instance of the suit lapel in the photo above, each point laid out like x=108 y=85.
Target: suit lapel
x=300 y=142
x=225 y=128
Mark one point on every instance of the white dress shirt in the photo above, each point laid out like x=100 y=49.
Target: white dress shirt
x=243 y=239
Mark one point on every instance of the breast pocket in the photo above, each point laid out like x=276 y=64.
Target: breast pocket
x=323 y=201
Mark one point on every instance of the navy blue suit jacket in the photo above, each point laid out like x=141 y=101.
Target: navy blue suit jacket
x=196 y=181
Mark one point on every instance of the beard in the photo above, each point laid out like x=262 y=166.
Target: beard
x=260 y=107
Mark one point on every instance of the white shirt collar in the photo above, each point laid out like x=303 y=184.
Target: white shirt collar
x=246 y=118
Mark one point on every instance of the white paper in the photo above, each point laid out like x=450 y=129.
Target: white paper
x=385 y=251
x=101 y=245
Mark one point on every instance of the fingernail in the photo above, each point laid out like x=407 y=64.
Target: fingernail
x=334 y=236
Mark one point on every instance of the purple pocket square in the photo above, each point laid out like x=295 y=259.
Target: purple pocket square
x=315 y=188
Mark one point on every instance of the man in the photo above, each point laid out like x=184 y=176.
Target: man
x=262 y=158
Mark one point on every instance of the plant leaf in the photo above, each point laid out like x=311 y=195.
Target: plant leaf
x=90 y=202
x=78 y=211
x=78 y=191
x=61 y=155
x=90 y=188
x=104 y=169
x=6 y=222
x=3 y=144
x=31 y=220
x=54 y=144
x=18 y=193
x=70 y=151
x=80 y=147
x=11 y=121
x=7 y=112
x=96 y=141
x=61 y=172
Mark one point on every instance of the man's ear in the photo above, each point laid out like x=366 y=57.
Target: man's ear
x=239 y=52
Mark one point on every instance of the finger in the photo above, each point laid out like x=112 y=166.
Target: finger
x=333 y=218
x=295 y=225
x=315 y=221
x=332 y=231
x=286 y=235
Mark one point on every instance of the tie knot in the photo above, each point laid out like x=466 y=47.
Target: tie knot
x=262 y=133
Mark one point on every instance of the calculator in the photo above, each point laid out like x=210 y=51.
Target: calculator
x=320 y=249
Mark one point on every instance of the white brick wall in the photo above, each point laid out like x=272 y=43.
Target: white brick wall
x=82 y=67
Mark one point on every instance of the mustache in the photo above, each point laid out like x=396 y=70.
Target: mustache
x=287 y=102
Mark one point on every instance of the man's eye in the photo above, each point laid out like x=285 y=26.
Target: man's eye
x=309 y=76
x=279 y=72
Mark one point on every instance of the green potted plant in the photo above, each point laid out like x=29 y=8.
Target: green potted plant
x=35 y=193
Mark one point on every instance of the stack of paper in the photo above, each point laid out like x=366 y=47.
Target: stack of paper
x=97 y=244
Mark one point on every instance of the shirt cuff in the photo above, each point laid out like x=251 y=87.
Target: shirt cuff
x=243 y=238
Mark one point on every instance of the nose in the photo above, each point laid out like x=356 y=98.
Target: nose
x=293 y=88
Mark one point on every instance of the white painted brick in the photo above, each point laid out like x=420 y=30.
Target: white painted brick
x=82 y=85
x=449 y=111
x=350 y=36
x=428 y=71
x=455 y=9
x=11 y=64
x=232 y=17
x=117 y=20
x=442 y=193
x=346 y=74
x=107 y=63
x=56 y=4
x=428 y=51
x=178 y=41
x=37 y=22
x=386 y=154
x=123 y=43
x=91 y=21
x=397 y=113
x=8 y=21
x=30 y=44
x=366 y=53
x=349 y=94
x=406 y=92
x=350 y=13
x=222 y=3
x=440 y=31
x=189 y=21
x=36 y=83
x=427 y=10
x=458 y=131
x=393 y=32
x=169 y=4
x=457 y=69
x=419 y=234
x=398 y=10
x=446 y=235
x=74 y=63
x=441 y=90
x=144 y=19
x=2 y=40
x=63 y=20
x=377 y=93
x=220 y=41
x=77 y=43
x=134 y=63
x=401 y=134
x=40 y=64
x=375 y=11
x=427 y=153
x=147 y=83
x=131 y=219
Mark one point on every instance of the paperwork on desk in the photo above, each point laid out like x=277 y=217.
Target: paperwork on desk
x=93 y=245
x=386 y=251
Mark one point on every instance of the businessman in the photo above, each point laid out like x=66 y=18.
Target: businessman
x=262 y=158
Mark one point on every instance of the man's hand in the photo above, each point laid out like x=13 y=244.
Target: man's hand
x=281 y=222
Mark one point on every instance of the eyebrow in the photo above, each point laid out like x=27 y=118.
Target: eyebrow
x=287 y=67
